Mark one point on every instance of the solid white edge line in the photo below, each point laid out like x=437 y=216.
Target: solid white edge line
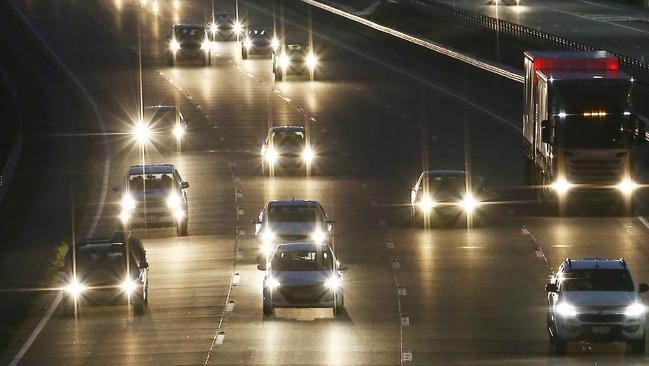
x=37 y=330
x=644 y=221
x=100 y=209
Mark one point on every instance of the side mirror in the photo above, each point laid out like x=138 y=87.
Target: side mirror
x=546 y=131
x=342 y=266
x=144 y=264
x=184 y=185
x=117 y=189
x=551 y=287
x=261 y=266
x=643 y=288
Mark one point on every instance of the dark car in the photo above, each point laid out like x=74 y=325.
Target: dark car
x=294 y=59
x=286 y=148
x=189 y=42
x=103 y=272
x=259 y=41
x=226 y=27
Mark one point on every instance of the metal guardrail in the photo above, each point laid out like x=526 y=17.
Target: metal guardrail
x=447 y=51
x=519 y=31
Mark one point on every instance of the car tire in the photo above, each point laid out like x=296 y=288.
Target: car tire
x=638 y=347
x=244 y=54
x=139 y=307
x=340 y=307
x=267 y=308
x=170 y=61
x=181 y=227
x=559 y=346
x=279 y=75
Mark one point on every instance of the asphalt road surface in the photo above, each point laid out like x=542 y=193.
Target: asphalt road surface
x=446 y=295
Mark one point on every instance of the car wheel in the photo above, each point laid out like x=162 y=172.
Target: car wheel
x=181 y=227
x=638 y=347
x=340 y=305
x=139 y=307
x=244 y=54
x=267 y=308
x=559 y=346
x=170 y=61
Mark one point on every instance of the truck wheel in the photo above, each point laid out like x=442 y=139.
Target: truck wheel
x=638 y=347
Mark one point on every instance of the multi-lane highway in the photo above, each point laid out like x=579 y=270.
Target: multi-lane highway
x=377 y=112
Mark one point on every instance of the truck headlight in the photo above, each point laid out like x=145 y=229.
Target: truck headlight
x=627 y=186
x=128 y=286
x=311 y=61
x=270 y=155
x=469 y=203
x=75 y=288
x=173 y=201
x=272 y=283
x=127 y=203
x=426 y=204
x=174 y=45
x=267 y=237
x=274 y=43
x=308 y=155
x=561 y=186
x=333 y=283
x=635 y=309
x=318 y=236
x=565 y=310
x=247 y=43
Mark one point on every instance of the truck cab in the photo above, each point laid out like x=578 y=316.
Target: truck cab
x=579 y=130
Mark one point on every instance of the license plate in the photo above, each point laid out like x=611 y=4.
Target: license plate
x=601 y=330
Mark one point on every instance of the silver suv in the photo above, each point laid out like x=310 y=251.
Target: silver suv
x=595 y=300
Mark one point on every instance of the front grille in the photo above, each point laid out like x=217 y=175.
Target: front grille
x=601 y=318
x=595 y=171
x=302 y=294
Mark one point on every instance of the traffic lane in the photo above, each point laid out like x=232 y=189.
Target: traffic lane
x=188 y=284
x=366 y=332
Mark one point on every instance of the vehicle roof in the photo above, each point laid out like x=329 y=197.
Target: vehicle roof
x=186 y=25
x=151 y=169
x=293 y=202
x=428 y=173
x=594 y=263
x=569 y=54
x=285 y=247
x=287 y=128
x=585 y=74
x=160 y=106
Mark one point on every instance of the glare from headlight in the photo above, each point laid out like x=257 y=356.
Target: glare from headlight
x=174 y=45
x=180 y=214
x=128 y=286
x=267 y=237
x=311 y=61
x=173 y=201
x=469 y=203
x=214 y=28
x=426 y=204
x=124 y=216
x=283 y=60
x=141 y=132
x=627 y=186
x=247 y=43
x=272 y=283
x=274 y=43
x=179 y=131
x=128 y=203
x=333 y=283
x=237 y=27
x=75 y=288
x=271 y=155
x=565 y=310
x=561 y=186
x=206 y=45
x=308 y=155
x=318 y=236
x=635 y=309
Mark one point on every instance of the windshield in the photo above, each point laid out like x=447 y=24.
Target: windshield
x=578 y=132
x=302 y=260
x=106 y=259
x=444 y=184
x=281 y=138
x=136 y=182
x=190 y=34
x=597 y=280
x=291 y=214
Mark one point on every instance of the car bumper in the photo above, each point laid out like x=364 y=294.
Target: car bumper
x=104 y=296
x=298 y=297
x=153 y=218
x=574 y=330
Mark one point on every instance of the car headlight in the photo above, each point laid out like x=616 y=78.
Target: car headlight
x=174 y=45
x=173 y=201
x=179 y=214
x=214 y=28
x=238 y=27
x=274 y=43
x=75 y=288
x=319 y=237
x=128 y=286
x=308 y=155
x=283 y=60
x=267 y=237
x=142 y=132
x=206 y=45
x=272 y=283
x=469 y=203
x=128 y=203
x=561 y=186
x=270 y=155
x=333 y=283
x=124 y=216
x=627 y=186
x=311 y=61
x=247 y=43
x=635 y=309
x=426 y=204
x=179 y=131
x=565 y=310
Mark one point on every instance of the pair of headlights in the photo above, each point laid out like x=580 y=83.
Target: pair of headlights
x=271 y=155
x=237 y=28
x=174 y=203
x=174 y=45
x=274 y=43
x=567 y=310
x=561 y=186
x=332 y=283
x=468 y=203
x=311 y=61
x=76 y=288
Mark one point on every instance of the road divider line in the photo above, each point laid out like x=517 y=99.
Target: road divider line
x=644 y=221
